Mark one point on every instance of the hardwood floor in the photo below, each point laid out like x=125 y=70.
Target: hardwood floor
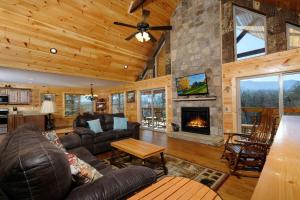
x=233 y=189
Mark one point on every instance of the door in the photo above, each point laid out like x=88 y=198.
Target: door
x=256 y=94
x=153 y=109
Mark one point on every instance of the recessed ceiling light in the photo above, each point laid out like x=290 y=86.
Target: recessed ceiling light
x=125 y=66
x=53 y=50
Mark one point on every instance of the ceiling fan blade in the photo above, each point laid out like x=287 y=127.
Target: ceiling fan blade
x=152 y=37
x=131 y=36
x=123 y=24
x=135 y=5
x=160 y=28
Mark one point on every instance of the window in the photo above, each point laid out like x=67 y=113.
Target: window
x=117 y=103
x=293 y=36
x=278 y=92
x=250 y=33
x=76 y=103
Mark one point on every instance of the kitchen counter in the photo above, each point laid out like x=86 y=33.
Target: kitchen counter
x=17 y=120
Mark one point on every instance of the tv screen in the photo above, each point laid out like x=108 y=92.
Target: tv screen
x=192 y=85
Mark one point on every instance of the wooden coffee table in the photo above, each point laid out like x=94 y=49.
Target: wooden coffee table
x=140 y=149
x=176 y=188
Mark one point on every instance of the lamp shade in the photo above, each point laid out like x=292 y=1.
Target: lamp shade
x=48 y=107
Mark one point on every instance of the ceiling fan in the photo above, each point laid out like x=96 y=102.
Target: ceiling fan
x=143 y=28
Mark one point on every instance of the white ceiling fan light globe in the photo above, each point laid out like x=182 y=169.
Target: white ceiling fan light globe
x=146 y=36
x=139 y=37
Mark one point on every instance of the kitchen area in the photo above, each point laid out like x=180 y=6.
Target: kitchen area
x=16 y=109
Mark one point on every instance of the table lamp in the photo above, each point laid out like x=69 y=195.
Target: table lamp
x=48 y=107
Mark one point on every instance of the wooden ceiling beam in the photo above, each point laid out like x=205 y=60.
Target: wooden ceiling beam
x=134 y=5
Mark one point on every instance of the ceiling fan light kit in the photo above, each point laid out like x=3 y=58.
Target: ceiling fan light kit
x=143 y=28
x=142 y=36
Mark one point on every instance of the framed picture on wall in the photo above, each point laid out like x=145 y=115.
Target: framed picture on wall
x=50 y=97
x=130 y=96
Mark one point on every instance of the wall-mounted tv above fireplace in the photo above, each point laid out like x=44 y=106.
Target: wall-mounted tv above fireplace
x=195 y=84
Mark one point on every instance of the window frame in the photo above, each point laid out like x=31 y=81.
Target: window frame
x=79 y=111
x=290 y=25
x=119 y=104
x=235 y=34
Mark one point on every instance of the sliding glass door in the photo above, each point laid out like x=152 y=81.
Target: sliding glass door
x=153 y=109
x=256 y=94
x=291 y=94
x=279 y=92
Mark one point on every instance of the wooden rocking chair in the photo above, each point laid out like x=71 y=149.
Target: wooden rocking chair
x=248 y=152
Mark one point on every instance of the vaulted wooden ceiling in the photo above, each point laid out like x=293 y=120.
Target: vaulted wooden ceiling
x=293 y=5
x=82 y=31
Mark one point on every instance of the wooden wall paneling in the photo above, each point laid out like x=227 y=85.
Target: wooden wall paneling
x=132 y=110
x=60 y=119
x=286 y=61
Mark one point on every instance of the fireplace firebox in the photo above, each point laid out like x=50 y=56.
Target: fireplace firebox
x=195 y=120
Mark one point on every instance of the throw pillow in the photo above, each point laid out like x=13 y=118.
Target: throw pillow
x=120 y=123
x=54 y=139
x=95 y=125
x=81 y=171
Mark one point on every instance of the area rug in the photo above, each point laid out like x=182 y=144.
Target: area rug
x=177 y=167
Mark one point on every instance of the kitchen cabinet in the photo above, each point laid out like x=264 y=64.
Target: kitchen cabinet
x=14 y=121
x=17 y=96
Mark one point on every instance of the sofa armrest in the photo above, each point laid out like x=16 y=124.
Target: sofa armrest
x=134 y=128
x=87 y=137
x=117 y=185
x=70 y=141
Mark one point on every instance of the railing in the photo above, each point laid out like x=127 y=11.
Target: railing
x=286 y=110
x=246 y=127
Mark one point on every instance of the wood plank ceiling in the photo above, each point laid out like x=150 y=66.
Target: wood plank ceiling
x=293 y=5
x=82 y=31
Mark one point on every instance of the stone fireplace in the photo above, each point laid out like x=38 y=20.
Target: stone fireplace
x=195 y=120
x=196 y=48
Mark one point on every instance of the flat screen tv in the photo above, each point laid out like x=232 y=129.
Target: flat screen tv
x=192 y=85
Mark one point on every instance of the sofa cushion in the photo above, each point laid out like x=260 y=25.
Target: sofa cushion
x=82 y=172
x=117 y=185
x=120 y=134
x=95 y=126
x=120 y=123
x=85 y=155
x=105 y=136
x=28 y=163
x=53 y=139
x=109 y=120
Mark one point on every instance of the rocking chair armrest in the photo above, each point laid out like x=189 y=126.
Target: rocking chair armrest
x=248 y=143
x=237 y=134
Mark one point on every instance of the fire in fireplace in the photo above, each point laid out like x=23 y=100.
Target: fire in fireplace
x=195 y=120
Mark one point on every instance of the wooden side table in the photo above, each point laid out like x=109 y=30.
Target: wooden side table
x=64 y=131
x=177 y=188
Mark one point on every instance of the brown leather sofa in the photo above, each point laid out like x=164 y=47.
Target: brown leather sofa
x=99 y=143
x=33 y=168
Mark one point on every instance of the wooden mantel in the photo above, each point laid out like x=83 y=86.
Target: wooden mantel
x=280 y=178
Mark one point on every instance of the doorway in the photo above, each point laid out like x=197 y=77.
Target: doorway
x=153 y=109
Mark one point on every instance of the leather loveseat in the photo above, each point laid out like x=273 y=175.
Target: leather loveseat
x=32 y=168
x=99 y=143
